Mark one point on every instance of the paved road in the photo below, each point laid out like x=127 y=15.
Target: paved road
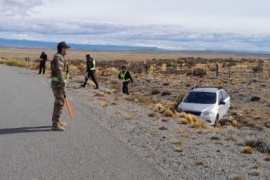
x=30 y=150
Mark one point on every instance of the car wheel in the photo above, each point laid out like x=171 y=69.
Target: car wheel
x=216 y=121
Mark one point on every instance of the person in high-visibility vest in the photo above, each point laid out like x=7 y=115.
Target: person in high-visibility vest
x=91 y=69
x=125 y=76
x=58 y=68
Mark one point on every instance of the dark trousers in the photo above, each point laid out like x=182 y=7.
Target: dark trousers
x=42 y=67
x=125 y=88
x=90 y=74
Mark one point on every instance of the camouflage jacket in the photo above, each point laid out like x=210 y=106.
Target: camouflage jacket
x=58 y=68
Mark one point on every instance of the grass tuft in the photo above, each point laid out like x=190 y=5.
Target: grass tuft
x=14 y=62
x=200 y=163
x=158 y=106
x=196 y=124
x=168 y=113
x=238 y=178
x=256 y=166
x=179 y=150
x=247 y=150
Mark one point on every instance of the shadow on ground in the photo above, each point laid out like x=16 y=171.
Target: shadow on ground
x=25 y=130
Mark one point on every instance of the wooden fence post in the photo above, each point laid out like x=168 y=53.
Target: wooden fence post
x=217 y=70
x=229 y=72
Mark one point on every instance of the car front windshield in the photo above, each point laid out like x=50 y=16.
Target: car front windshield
x=200 y=98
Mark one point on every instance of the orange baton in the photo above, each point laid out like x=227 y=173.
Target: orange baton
x=68 y=108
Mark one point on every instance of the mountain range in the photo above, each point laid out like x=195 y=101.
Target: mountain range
x=52 y=45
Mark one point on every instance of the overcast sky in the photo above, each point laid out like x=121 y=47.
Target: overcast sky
x=169 y=24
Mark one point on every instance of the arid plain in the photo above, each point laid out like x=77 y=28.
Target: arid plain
x=161 y=79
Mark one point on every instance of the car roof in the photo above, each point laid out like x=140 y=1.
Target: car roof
x=206 y=89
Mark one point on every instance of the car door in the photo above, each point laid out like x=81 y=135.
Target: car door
x=227 y=101
x=222 y=107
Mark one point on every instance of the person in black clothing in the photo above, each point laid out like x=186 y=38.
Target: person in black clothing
x=42 y=65
x=91 y=68
x=125 y=76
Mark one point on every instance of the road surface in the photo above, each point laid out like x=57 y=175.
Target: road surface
x=30 y=150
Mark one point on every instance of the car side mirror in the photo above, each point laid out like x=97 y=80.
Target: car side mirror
x=221 y=103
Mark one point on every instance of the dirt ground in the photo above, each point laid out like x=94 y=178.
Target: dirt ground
x=147 y=119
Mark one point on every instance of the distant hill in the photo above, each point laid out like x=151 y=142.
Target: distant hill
x=40 y=44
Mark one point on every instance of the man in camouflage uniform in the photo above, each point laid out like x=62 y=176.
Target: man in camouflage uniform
x=58 y=84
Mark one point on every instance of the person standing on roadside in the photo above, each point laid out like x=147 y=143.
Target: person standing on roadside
x=91 y=69
x=58 y=68
x=125 y=76
x=42 y=65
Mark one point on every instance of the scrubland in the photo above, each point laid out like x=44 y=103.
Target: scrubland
x=179 y=144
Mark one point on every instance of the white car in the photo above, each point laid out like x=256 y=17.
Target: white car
x=207 y=103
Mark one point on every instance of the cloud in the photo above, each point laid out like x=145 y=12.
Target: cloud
x=174 y=24
x=172 y=37
x=19 y=7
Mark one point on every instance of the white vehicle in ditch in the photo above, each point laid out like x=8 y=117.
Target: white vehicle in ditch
x=207 y=103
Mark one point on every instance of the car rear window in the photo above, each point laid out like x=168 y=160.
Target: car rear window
x=200 y=98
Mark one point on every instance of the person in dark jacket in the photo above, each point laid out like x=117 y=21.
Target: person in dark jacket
x=91 y=69
x=42 y=65
x=125 y=76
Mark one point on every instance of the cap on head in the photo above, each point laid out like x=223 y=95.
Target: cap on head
x=88 y=55
x=62 y=45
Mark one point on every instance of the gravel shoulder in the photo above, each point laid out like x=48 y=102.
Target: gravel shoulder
x=175 y=149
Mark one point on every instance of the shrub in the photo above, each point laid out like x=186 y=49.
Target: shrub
x=179 y=150
x=199 y=72
x=247 y=150
x=238 y=178
x=168 y=113
x=200 y=163
x=196 y=124
x=155 y=91
x=184 y=121
x=259 y=145
x=165 y=93
x=158 y=106
x=255 y=98
x=256 y=166
x=191 y=118
x=267 y=158
x=257 y=69
x=14 y=62
x=234 y=123
x=144 y=100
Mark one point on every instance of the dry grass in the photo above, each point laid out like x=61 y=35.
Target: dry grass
x=267 y=158
x=247 y=150
x=127 y=116
x=168 y=113
x=256 y=166
x=200 y=163
x=180 y=150
x=14 y=62
x=158 y=106
x=238 y=178
x=177 y=142
x=141 y=99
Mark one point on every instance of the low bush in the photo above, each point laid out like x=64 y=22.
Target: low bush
x=14 y=62
x=259 y=145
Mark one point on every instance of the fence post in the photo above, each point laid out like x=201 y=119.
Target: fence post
x=217 y=70
x=229 y=72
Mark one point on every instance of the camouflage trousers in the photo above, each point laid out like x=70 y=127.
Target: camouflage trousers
x=59 y=93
